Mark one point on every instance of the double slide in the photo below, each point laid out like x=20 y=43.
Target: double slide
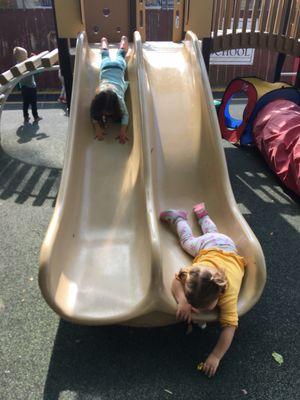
x=106 y=258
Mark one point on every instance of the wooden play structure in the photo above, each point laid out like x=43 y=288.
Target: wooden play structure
x=45 y=61
x=105 y=262
x=219 y=24
x=107 y=259
x=231 y=24
x=273 y=24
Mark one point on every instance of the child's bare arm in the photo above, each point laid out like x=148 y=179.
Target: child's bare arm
x=177 y=291
x=122 y=136
x=224 y=341
x=99 y=134
x=184 y=310
x=223 y=344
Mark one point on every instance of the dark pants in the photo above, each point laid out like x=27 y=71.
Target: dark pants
x=29 y=98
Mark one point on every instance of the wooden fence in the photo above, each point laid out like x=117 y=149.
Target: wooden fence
x=159 y=27
x=272 y=24
x=34 y=28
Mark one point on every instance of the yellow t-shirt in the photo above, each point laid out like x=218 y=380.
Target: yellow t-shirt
x=233 y=265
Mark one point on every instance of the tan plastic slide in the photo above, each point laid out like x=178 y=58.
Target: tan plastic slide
x=106 y=258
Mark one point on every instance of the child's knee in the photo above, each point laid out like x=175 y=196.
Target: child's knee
x=208 y=226
x=121 y=53
x=190 y=246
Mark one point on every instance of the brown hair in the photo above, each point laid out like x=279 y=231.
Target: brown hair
x=203 y=287
x=105 y=102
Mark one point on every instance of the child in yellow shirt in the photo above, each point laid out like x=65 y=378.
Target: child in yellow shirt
x=213 y=279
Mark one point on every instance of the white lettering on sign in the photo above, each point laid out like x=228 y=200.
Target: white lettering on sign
x=232 y=57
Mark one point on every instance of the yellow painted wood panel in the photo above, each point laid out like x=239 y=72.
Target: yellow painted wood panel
x=69 y=18
x=200 y=18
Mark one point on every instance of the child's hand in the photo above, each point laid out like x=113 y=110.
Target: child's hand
x=211 y=365
x=122 y=138
x=99 y=135
x=184 y=312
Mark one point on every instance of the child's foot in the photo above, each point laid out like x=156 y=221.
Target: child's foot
x=62 y=100
x=26 y=120
x=124 y=43
x=37 y=119
x=104 y=44
x=200 y=210
x=172 y=216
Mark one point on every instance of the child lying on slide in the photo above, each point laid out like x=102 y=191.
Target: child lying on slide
x=109 y=103
x=213 y=279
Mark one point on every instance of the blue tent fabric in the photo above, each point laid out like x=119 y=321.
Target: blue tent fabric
x=290 y=94
x=231 y=122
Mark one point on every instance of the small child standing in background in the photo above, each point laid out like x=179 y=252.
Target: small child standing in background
x=28 y=88
x=109 y=103
x=52 y=44
x=62 y=96
x=213 y=279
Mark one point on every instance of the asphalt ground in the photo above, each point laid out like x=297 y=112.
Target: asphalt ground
x=44 y=357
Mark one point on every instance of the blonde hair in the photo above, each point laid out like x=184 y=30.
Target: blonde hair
x=202 y=287
x=20 y=54
x=52 y=40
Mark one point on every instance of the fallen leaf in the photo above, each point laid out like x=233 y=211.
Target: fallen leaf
x=277 y=357
x=168 y=391
x=244 y=391
x=200 y=366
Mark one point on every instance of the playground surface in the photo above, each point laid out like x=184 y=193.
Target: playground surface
x=43 y=357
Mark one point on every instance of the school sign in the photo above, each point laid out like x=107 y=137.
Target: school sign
x=232 y=57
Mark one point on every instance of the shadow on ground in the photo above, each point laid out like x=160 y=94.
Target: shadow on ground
x=25 y=182
x=125 y=363
x=119 y=362
x=42 y=105
x=29 y=131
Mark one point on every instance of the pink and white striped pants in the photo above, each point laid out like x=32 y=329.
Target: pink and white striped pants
x=210 y=238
